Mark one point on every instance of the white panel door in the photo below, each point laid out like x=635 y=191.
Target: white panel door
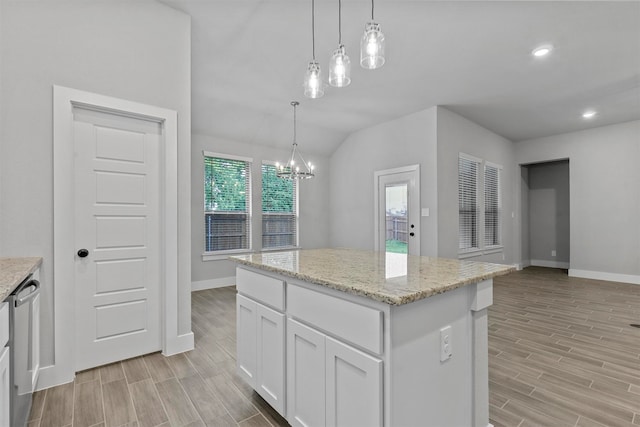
x=246 y=339
x=117 y=221
x=5 y=387
x=305 y=376
x=354 y=387
x=270 y=356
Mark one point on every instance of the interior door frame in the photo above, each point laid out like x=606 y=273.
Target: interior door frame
x=415 y=169
x=64 y=101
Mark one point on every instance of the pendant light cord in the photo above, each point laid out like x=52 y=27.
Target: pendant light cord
x=313 y=30
x=295 y=104
x=372 y=10
x=339 y=22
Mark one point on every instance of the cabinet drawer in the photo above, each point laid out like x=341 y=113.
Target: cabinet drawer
x=4 y=324
x=352 y=322
x=261 y=288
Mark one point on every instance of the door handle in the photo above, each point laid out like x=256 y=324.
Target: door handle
x=412 y=234
x=82 y=253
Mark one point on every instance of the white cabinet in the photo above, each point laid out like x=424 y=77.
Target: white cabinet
x=330 y=383
x=305 y=375
x=270 y=357
x=354 y=387
x=5 y=378
x=261 y=339
x=246 y=339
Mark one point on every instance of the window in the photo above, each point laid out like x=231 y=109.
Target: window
x=479 y=206
x=227 y=195
x=279 y=210
x=468 y=203
x=491 y=205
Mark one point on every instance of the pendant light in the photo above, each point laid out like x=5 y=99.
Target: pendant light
x=372 y=45
x=340 y=64
x=313 y=85
x=296 y=167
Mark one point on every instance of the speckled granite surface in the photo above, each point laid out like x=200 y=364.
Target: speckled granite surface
x=13 y=271
x=390 y=278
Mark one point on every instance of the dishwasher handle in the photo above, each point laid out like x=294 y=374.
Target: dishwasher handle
x=35 y=288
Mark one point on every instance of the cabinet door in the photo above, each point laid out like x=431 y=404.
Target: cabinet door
x=305 y=375
x=270 y=356
x=354 y=387
x=246 y=339
x=34 y=357
x=5 y=387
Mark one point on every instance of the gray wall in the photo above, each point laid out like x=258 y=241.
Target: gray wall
x=313 y=201
x=408 y=140
x=604 y=200
x=548 y=200
x=139 y=51
x=457 y=134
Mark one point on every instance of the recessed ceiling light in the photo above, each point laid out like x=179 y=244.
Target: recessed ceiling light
x=542 y=51
x=589 y=114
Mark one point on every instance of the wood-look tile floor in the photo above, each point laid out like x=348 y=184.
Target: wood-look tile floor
x=198 y=388
x=561 y=353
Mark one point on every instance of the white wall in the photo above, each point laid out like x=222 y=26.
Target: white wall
x=548 y=202
x=405 y=141
x=139 y=51
x=604 y=201
x=457 y=134
x=313 y=196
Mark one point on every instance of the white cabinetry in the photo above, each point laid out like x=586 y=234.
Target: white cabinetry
x=305 y=375
x=5 y=385
x=354 y=386
x=330 y=383
x=261 y=338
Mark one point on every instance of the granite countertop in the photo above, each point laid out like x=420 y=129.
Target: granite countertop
x=386 y=277
x=13 y=271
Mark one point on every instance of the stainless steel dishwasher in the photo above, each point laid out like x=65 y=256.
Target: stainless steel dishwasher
x=24 y=339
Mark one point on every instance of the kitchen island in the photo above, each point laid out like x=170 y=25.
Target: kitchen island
x=344 y=337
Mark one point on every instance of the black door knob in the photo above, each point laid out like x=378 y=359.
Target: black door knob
x=412 y=234
x=83 y=253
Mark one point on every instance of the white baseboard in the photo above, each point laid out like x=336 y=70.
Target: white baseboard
x=49 y=376
x=523 y=264
x=213 y=283
x=180 y=344
x=551 y=264
x=601 y=275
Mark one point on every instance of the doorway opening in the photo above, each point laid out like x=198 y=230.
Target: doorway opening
x=545 y=190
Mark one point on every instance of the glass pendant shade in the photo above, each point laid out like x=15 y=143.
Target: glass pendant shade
x=340 y=68
x=313 y=85
x=372 y=47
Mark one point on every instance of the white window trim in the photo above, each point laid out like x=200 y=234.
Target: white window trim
x=483 y=250
x=224 y=254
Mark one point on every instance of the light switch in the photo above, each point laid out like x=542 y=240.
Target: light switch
x=425 y=211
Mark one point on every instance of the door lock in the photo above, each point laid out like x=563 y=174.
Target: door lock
x=412 y=234
x=82 y=253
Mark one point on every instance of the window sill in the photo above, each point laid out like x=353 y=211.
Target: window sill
x=223 y=255
x=281 y=249
x=479 y=252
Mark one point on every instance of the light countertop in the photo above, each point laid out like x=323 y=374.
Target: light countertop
x=13 y=271
x=386 y=277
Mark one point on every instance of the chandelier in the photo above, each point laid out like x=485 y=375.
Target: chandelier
x=296 y=167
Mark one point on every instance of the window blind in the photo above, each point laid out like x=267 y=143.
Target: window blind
x=227 y=195
x=279 y=210
x=491 y=205
x=468 y=203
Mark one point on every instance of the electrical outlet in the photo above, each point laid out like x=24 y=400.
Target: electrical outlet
x=553 y=252
x=445 y=344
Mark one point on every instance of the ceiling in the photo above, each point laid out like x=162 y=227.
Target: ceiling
x=473 y=57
